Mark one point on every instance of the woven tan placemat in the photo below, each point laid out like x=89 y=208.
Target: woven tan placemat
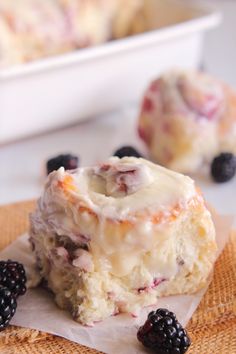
x=212 y=328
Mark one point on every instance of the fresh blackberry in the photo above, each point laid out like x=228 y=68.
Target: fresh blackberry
x=223 y=167
x=12 y=275
x=127 y=151
x=68 y=161
x=163 y=333
x=7 y=307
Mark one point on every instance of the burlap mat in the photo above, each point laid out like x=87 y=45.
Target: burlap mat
x=212 y=328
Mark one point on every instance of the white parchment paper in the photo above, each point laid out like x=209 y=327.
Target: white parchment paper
x=115 y=335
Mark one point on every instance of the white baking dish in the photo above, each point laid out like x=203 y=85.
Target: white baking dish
x=53 y=92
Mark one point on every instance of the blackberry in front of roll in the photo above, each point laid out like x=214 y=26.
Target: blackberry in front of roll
x=163 y=333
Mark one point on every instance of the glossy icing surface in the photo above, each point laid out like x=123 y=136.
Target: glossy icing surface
x=118 y=208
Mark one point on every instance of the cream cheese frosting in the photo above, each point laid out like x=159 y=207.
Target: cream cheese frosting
x=97 y=188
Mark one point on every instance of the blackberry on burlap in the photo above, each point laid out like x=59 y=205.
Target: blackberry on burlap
x=163 y=333
x=12 y=276
x=7 y=307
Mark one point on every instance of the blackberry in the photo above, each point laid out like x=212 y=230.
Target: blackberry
x=68 y=161
x=223 y=167
x=127 y=151
x=12 y=276
x=7 y=307
x=163 y=333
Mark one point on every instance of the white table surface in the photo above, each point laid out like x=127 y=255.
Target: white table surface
x=22 y=163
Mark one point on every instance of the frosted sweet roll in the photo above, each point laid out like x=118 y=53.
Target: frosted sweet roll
x=115 y=237
x=186 y=119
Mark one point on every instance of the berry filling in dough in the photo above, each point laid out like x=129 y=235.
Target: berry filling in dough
x=115 y=237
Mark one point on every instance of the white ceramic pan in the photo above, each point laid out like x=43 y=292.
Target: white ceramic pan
x=57 y=91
